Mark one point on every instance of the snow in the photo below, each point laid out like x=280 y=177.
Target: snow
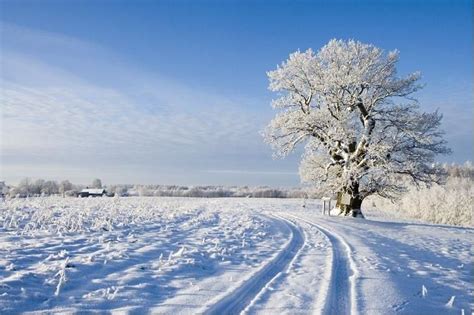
x=227 y=255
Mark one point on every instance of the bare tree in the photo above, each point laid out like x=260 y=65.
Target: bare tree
x=362 y=126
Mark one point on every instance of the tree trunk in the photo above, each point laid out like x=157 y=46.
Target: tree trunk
x=348 y=204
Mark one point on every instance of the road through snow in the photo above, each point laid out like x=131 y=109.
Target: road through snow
x=237 y=300
x=341 y=296
x=336 y=292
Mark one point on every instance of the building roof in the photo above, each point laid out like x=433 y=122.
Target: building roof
x=97 y=191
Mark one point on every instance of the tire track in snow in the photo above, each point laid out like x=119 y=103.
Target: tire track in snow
x=340 y=295
x=237 y=300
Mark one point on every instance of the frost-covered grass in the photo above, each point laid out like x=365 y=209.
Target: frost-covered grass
x=451 y=203
x=107 y=253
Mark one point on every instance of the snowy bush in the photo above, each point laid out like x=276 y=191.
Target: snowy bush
x=451 y=203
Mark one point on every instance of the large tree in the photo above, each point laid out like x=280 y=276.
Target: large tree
x=362 y=126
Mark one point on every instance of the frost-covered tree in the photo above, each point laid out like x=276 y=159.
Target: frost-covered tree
x=25 y=188
x=65 y=186
x=37 y=186
x=362 y=126
x=96 y=183
x=49 y=188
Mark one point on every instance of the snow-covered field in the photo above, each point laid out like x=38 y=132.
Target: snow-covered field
x=221 y=256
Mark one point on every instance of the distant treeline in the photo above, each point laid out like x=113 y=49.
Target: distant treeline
x=211 y=191
x=40 y=187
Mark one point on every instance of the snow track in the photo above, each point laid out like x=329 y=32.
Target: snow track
x=340 y=297
x=237 y=300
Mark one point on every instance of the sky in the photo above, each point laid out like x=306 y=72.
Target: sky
x=176 y=92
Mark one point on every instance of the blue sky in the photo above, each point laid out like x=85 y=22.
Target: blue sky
x=175 y=92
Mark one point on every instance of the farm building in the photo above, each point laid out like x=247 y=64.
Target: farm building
x=92 y=192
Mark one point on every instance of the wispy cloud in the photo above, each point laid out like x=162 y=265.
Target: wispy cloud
x=61 y=118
